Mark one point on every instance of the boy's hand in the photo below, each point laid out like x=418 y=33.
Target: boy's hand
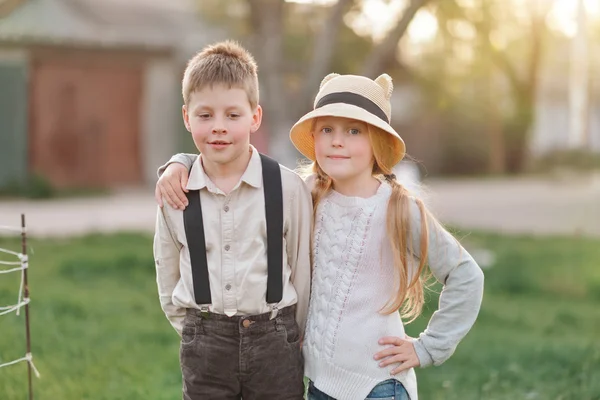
x=401 y=351
x=171 y=185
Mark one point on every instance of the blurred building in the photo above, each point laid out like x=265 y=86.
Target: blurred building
x=90 y=89
x=552 y=125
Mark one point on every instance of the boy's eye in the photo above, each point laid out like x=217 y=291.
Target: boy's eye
x=204 y=115
x=234 y=115
x=354 y=131
x=326 y=130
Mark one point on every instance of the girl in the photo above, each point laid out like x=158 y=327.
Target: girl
x=372 y=242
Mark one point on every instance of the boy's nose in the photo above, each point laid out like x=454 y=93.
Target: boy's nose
x=219 y=127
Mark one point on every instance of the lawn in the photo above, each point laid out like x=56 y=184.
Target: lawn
x=98 y=331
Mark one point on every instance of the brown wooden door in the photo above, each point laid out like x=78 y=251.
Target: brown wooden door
x=85 y=117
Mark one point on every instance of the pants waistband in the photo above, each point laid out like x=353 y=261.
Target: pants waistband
x=290 y=310
x=247 y=325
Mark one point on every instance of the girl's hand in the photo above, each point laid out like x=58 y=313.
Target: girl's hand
x=172 y=185
x=401 y=351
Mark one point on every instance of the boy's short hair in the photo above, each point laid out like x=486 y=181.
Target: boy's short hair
x=225 y=63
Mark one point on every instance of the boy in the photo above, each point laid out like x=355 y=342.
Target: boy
x=233 y=269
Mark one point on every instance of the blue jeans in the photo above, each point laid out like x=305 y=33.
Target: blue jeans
x=387 y=390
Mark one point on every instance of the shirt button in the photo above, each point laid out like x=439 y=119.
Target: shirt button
x=226 y=208
x=228 y=287
x=227 y=247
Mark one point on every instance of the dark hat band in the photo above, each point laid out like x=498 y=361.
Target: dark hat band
x=355 y=100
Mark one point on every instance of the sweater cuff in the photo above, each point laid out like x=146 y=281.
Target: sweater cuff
x=425 y=358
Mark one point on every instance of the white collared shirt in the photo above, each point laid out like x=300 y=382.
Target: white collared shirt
x=235 y=234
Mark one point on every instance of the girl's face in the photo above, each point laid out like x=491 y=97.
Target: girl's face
x=343 y=149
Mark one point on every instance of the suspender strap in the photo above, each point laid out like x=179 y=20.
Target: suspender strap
x=274 y=214
x=194 y=231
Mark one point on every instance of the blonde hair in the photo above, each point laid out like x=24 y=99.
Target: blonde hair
x=225 y=63
x=409 y=297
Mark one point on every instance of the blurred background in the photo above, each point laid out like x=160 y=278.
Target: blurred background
x=498 y=102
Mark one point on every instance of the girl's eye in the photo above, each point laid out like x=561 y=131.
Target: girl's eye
x=354 y=131
x=234 y=116
x=204 y=116
x=326 y=130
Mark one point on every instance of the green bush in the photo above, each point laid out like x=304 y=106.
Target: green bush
x=35 y=187
x=581 y=160
x=38 y=187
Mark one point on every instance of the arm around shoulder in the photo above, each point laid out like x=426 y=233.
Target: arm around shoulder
x=186 y=159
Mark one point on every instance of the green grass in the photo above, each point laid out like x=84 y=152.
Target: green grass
x=537 y=333
x=98 y=331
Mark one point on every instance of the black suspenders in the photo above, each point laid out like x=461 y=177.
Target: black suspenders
x=272 y=187
x=194 y=231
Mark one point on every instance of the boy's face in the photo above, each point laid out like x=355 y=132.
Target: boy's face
x=342 y=148
x=221 y=120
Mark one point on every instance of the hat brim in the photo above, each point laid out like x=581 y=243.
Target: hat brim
x=302 y=137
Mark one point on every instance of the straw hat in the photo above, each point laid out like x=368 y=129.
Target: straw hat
x=355 y=97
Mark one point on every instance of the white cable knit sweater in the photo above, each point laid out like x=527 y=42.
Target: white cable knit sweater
x=354 y=278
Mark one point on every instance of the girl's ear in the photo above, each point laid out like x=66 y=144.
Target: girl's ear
x=327 y=79
x=385 y=81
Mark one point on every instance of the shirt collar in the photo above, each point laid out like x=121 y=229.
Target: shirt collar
x=252 y=175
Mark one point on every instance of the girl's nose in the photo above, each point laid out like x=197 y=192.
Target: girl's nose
x=337 y=139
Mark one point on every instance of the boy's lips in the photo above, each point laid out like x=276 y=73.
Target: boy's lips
x=219 y=144
x=338 y=157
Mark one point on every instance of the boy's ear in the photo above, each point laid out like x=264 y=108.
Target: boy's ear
x=256 y=119
x=186 y=118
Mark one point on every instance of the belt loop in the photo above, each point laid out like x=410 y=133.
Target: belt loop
x=199 y=323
